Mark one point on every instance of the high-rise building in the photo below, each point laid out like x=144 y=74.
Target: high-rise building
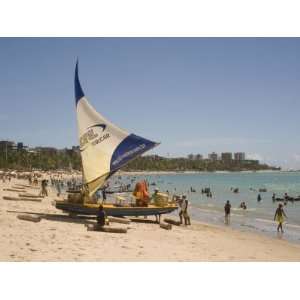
x=76 y=149
x=226 y=156
x=213 y=156
x=7 y=145
x=240 y=156
x=49 y=150
x=198 y=157
x=20 y=146
x=191 y=156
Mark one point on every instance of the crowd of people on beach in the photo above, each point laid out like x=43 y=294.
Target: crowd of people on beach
x=143 y=197
x=182 y=203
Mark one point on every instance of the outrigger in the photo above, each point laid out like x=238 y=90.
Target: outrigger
x=104 y=149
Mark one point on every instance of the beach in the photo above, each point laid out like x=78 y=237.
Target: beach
x=69 y=240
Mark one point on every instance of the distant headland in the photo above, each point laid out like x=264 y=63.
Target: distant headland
x=19 y=157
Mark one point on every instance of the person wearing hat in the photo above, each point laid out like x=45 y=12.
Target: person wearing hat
x=183 y=204
x=279 y=217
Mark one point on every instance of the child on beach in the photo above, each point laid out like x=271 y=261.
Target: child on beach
x=279 y=217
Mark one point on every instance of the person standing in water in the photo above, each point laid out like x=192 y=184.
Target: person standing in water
x=279 y=217
x=227 y=208
x=258 y=198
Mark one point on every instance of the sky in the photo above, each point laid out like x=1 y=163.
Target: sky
x=194 y=95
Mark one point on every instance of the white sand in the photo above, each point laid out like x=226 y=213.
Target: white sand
x=64 y=241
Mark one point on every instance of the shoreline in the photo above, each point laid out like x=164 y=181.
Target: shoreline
x=120 y=173
x=51 y=240
x=260 y=226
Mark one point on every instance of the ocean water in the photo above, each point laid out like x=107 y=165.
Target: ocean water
x=257 y=217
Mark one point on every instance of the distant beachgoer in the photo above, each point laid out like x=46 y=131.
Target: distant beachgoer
x=227 y=208
x=236 y=190
x=273 y=197
x=104 y=192
x=154 y=196
x=243 y=205
x=101 y=216
x=258 y=198
x=183 y=204
x=58 y=188
x=279 y=217
x=286 y=197
x=44 y=191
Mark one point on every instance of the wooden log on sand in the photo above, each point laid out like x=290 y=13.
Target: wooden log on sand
x=172 y=221
x=96 y=227
x=23 y=186
x=119 y=220
x=113 y=229
x=166 y=226
x=31 y=218
x=14 y=190
x=21 y=199
x=146 y=221
x=30 y=196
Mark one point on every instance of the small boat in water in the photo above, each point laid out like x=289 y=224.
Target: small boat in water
x=104 y=149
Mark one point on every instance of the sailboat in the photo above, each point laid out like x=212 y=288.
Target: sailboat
x=104 y=149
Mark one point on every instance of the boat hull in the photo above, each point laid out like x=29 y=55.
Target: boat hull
x=114 y=211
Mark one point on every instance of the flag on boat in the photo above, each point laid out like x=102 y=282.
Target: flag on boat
x=104 y=147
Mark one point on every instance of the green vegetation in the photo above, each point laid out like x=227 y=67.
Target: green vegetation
x=157 y=163
x=64 y=159
x=23 y=160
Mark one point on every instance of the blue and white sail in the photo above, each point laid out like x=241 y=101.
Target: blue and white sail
x=104 y=147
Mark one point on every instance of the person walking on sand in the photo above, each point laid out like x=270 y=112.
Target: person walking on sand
x=58 y=187
x=44 y=191
x=227 y=208
x=279 y=217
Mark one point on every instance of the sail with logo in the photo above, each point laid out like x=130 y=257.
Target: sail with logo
x=104 y=147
